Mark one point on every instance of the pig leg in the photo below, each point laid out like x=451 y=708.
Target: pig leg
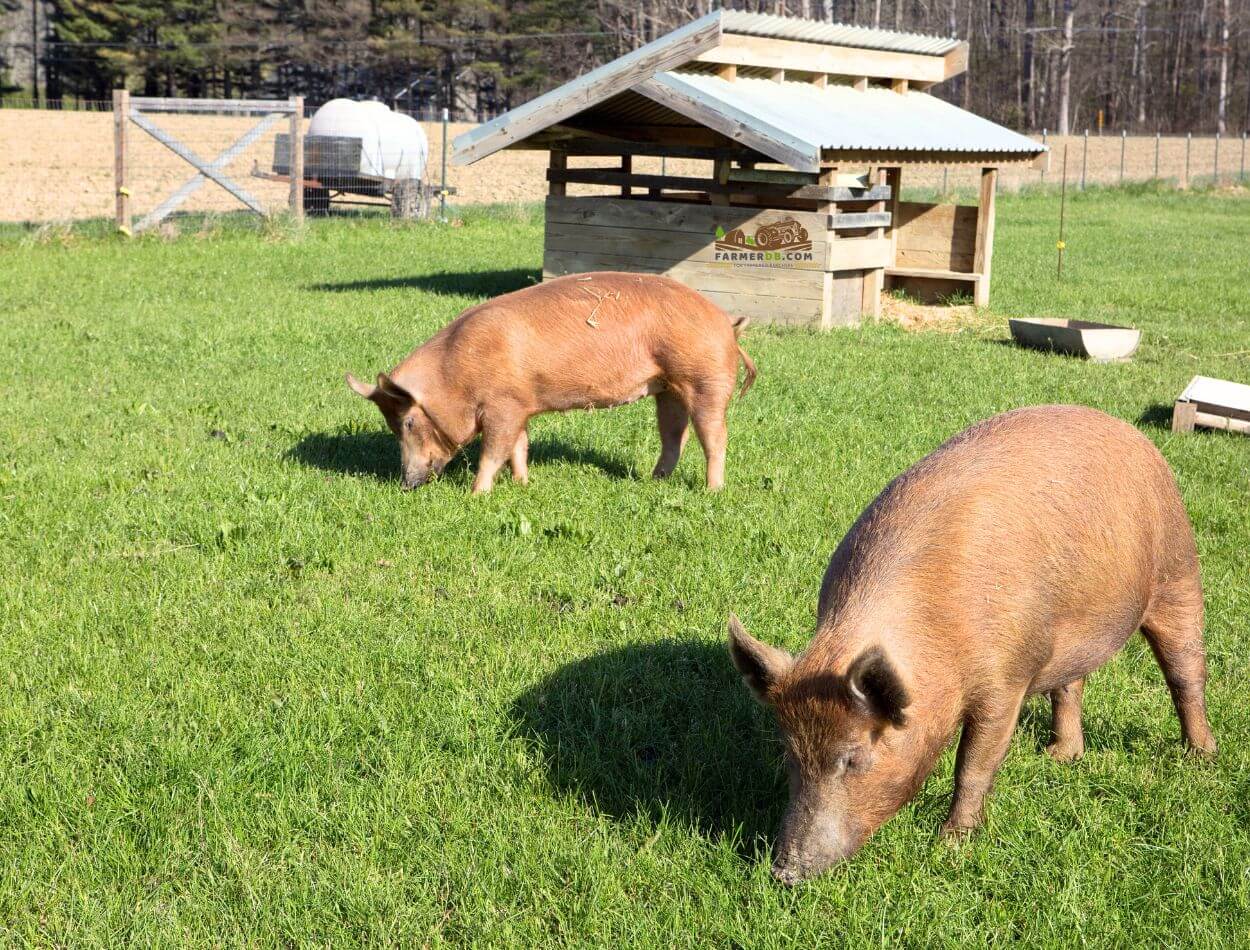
x=982 y=749
x=499 y=439
x=1068 y=743
x=1173 y=628
x=709 y=426
x=520 y=459
x=674 y=421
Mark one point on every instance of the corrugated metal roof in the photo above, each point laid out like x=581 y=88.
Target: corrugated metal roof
x=834 y=34
x=840 y=117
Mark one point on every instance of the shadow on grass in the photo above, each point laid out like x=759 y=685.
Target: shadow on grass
x=490 y=283
x=1157 y=416
x=376 y=454
x=660 y=730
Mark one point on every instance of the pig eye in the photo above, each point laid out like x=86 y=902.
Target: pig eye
x=853 y=761
x=409 y=424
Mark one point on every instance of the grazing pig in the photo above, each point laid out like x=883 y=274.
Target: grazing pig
x=578 y=342
x=1015 y=559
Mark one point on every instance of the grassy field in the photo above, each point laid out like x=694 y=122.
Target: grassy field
x=254 y=693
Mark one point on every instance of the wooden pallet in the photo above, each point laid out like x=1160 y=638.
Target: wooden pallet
x=1212 y=404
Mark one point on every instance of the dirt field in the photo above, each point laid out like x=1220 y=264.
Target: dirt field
x=59 y=165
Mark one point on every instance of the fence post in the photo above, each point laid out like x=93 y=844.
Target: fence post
x=1043 y=168
x=1156 y=156
x=442 y=188
x=1217 y=160
x=1243 y=156
x=121 y=119
x=297 y=157
x=1189 y=137
x=945 y=189
x=1123 y=142
x=1084 y=155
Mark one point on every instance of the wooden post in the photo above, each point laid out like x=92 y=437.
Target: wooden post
x=297 y=157
x=1183 y=415
x=559 y=162
x=894 y=178
x=984 y=257
x=720 y=168
x=874 y=279
x=121 y=120
x=627 y=167
x=860 y=84
x=898 y=85
x=828 y=178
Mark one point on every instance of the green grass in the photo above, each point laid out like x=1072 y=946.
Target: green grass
x=254 y=693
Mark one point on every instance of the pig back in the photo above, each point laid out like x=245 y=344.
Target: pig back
x=1033 y=540
x=593 y=339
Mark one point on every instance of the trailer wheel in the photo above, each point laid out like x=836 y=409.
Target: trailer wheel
x=317 y=201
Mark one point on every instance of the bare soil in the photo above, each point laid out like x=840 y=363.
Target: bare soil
x=59 y=165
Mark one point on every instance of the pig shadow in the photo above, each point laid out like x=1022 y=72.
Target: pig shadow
x=665 y=731
x=490 y=283
x=375 y=454
x=371 y=454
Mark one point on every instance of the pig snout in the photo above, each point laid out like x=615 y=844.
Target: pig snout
x=812 y=840
x=415 y=476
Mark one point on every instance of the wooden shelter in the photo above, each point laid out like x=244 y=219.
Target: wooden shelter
x=787 y=113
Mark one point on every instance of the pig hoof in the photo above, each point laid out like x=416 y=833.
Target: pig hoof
x=955 y=834
x=1205 y=751
x=1065 y=751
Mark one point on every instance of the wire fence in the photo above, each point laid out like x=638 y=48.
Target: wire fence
x=58 y=166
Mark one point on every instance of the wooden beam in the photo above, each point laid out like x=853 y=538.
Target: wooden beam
x=955 y=62
x=573 y=142
x=616 y=177
x=779 y=75
x=860 y=84
x=121 y=111
x=768 y=53
x=770 y=177
x=984 y=255
x=667 y=52
x=727 y=72
x=556 y=168
x=820 y=80
x=627 y=166
x=234 y=106
x=898 y=85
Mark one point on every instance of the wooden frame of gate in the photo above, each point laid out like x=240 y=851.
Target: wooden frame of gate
x=128 y=110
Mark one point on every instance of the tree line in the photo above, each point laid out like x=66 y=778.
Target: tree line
x=1144 y=65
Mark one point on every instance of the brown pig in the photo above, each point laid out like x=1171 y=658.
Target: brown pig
x=1015 y=559
x=578 y=342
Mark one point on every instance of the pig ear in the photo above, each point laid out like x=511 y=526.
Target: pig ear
x=390 y=389
x=761 y=666
x=873 y=686
x=363 y=389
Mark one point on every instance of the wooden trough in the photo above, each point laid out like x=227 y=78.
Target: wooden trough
x=804 y=129
x=1100 y=342
x=1212 y=404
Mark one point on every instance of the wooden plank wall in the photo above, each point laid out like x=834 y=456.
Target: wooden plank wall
x=936 y=237
x=659 y=237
